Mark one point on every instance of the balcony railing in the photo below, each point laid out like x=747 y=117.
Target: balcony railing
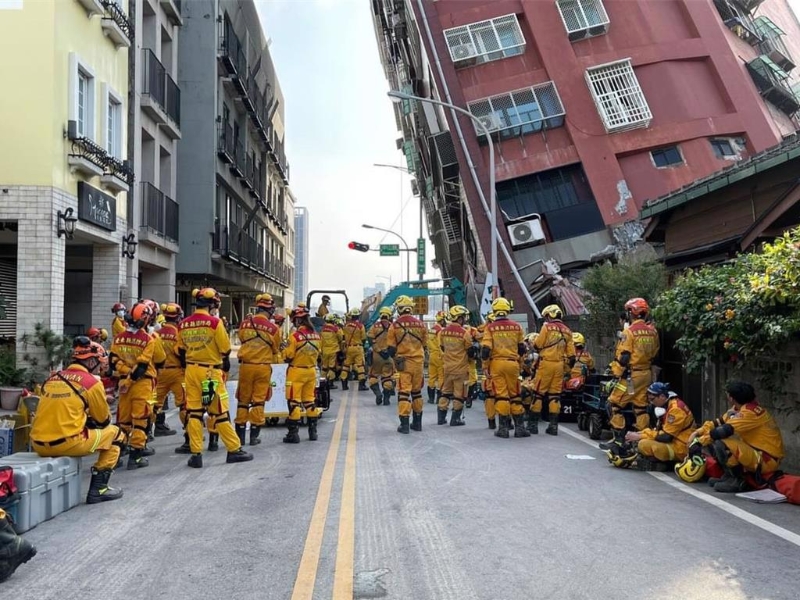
x=225 y=142
x=173 y=104
x=249 y=172
x=236 y=245
x=154 y=77
x=239 y=165
x=116 y=14
x=772 y=83
x=160 y=213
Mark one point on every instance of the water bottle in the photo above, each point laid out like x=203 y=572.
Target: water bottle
x=630 y=388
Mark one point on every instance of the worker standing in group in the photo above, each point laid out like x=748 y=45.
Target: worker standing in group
x=457 y=347
x=502 y=343
x=381 y=371
x=636 y=350
x=134 y=355
x=435 y=374
x=484 y=381
x=408 y=337
x=354 y=337
x=73 y=419
x=170 y=376
x=584 y=361
x=556 y=349
x=204 y=348
x=302 y=354
x=332 y=339
x=118 y=322
x=261 y=347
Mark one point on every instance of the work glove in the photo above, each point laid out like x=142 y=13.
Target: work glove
x=472 y=351
x=138 y=372
x=384 y=354
x=695 y=448
x=226 y=363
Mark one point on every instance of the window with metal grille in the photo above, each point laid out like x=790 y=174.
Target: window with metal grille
x=618 y=96
x=667 y=157
x=583 y=18
x=485 y=41
x=523 y=111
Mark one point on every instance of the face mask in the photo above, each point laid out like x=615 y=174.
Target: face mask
x=660 y=411
x=120 y=313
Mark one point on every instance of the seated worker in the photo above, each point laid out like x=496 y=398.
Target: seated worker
x=324 y=309
x=666 y=443
x=584 y=362
x=73 y=419
x=746 y=439
x=14 y=550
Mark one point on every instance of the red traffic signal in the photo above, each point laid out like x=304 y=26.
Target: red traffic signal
x=358 y=246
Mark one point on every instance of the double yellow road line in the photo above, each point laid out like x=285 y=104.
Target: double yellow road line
x=309 y=562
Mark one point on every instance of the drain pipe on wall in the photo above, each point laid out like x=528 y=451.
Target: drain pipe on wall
x=474 y=173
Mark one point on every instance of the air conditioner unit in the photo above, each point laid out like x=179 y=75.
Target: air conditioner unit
x=526 y=233
x=463 y=52
x=491 y=122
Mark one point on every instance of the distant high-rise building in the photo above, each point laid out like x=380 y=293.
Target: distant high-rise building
x=301 y=252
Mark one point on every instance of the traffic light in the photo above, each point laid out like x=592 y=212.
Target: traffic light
x=358 y=246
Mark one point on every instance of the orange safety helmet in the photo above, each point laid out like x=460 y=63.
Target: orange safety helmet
x=638 y=307
x=279 y=319
x=265 y=301
x=206 y=297
x=83 y=348
x=140 y=315
x=301 y=312
x=93 y=333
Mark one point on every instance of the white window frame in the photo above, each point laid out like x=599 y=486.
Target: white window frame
x=78 y=68
x=481 y=54
x=508 y=98
x=580 y=31
x=628 y=102
x=113 y=146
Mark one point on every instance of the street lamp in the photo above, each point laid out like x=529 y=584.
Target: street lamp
x=398 y=97
x=385 y=277
x=408 y=251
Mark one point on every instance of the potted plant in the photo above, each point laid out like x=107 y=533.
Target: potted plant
x=11 y=380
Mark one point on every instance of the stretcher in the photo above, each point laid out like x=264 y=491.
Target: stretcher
x=278 y=408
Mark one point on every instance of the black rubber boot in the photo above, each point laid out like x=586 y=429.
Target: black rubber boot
x=519 y=429
x=184 y=448
x=387 y=397
x=255 y=431
x=442 y=413
x=136 y=460
x=150 y=435
x=376 y=389
x=552 y=428
x=416 y=421
x=615 y=442
x=732 y=481
x=241 y=431
x=238 y=456
x=293 y=435
x=213 y=442
x=161 y=428
x=492 y=423
x=533 y=423
x=14 y=550
x=195 y=461
x=99 y=491
x=312 y=429
x=455 y=418
x=345 y=384
x=510 y=424
x=148 y=451
x=431 y=395
x=502 y=430
x=362 y=386
x=403 y=427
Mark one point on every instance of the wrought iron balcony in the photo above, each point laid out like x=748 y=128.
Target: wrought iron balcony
x=772 y=83
x=160 y=213
x=225 y=143
x=116 y=24
x=173 y=100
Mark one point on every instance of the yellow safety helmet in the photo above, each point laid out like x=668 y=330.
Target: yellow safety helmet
x=354 y=313
x=404 y=304
x=331 y=318
x=441 y=316
x=161 y=319
x=265 y=301
x=530 y=338
x=501 y=306
x=458 y=311
x=622 y=458
x=552 y=311
x=578 y=339
x=206 y=296
x=692 y=469
x=386 y=312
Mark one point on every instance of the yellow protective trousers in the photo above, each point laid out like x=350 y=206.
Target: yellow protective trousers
x=506 y=387
x=455 y=386
x=354 y=361
x=620 y=398
x=665 y=451
x=107 y=442
x=170 y=379
x=409 y=386
x=435 y=372
x=381 y=371
x=300 y=385
x=329 y=364
x=218 y=415
x=134 y=410
x=749 y=458
x=253 y=391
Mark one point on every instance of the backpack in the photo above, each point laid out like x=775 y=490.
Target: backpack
x=789 y=486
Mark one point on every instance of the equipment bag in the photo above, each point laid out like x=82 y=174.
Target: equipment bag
x=789 y=486
x=712 y=468
x=8 y=490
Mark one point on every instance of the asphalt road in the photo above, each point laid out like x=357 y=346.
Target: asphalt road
x=448 y=513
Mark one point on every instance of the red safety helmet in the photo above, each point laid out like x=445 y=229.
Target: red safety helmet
x=279 y=319
x=301 y=312
x=574 y=384
x=118 y=307
x=93 y=333
x=638 y=307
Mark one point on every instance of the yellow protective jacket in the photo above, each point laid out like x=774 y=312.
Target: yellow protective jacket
x=62 y=410
x=434 y=349
x=409 y=336
x=204 y=339
x=117 y=326
x=502 y=337
x=676 y=424
x=379 y=335
x=305 y=346
x=132 y=348
x=261 y=340
x=322 y=311
x=554 y=342
x=640 y=341
x=584 y=364
x=454 y=341
x=354 y=333
x=332 y=339
x=753 y=424
x=169 y=342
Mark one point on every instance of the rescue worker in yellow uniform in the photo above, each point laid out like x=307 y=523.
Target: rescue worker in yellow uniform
x=134 y=356
x=668 y=441
x=503 y=345
x=637 y=348
x=584 y=361
x=324 y=310
x=118 y=322
x=381 y=371
x=485 y=383
x=332 y=339
x=354 y=337
x=457 y=348
x=170 y=376
x=746 y=439
x=204 y=349
x=408 y=337
x=472 y=389
x=555 y=348
x=14 y=549
x=435 y=358
x=261 y=347
x=528 y=364
x=73 y=419
x=302 y=355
